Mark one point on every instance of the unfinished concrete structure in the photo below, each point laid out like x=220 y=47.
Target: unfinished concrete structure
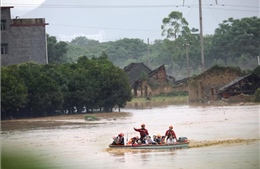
x=22 y=40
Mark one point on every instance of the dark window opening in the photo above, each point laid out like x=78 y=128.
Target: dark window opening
x=4 y=48
x=212 y=92
x=3 y=24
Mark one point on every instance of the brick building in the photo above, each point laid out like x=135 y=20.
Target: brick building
x=206 y=86
x=146 y=82
x=22 y=40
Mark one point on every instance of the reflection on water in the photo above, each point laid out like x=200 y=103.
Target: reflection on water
x=221 y=137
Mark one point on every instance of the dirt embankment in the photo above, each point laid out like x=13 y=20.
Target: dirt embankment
x=56 y=121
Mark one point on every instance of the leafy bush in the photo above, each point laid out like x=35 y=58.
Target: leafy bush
x=257 y=70
x=91 y=118
x=174 y=93
x=257 y=95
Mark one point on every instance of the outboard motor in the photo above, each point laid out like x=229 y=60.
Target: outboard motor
x=182 y=139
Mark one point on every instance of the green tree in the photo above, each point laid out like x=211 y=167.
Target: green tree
x=257 y=95
x=257 y=70
x=237 y=41
x=67 y=71
x=118 y=52
x=45 y=96
x=56 y=50
x=114 y=87
x=83 y=89
x=174 y=25
x=84 y=42
x=122 y=88
x=13 y=92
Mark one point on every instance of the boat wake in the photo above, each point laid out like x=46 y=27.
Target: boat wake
x=193 y=144
x=205 y=143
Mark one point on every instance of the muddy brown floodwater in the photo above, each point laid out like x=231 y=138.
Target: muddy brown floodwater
x=221 y=137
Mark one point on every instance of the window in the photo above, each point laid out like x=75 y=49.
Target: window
x=3 y=24
x=4 y=48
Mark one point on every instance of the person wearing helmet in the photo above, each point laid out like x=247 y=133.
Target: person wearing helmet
x=119 y=140
x=143 y=132
x=133 y=140
x=170 y=133
x=158 y=138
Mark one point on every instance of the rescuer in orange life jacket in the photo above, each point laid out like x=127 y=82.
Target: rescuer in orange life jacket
x=143 y=132
x=170 y=133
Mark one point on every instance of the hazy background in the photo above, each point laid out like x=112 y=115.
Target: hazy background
x=111 y=20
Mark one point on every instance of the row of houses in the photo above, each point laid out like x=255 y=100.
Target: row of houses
x=146 y=82
x=214 y=84
x=24 y=40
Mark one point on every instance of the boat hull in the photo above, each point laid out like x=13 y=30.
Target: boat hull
x=153 y=146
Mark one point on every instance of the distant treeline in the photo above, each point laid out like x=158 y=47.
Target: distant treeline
x=33 y=90
x=236 y=42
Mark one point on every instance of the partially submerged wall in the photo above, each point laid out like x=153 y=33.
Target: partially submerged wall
x=205 y=86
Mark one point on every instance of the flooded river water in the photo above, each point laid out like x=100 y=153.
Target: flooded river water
x=221 y=137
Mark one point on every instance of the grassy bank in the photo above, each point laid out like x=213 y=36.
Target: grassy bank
x=176 y=99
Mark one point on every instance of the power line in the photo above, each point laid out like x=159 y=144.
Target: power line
x=214 y=15
x=124 y=6
x=143 y=6
x=98 y=6
x=105 y=28
x=227 y=9
x=123 y=29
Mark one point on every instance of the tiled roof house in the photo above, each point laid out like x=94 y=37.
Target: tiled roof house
x=146 y=82
x=135 y=70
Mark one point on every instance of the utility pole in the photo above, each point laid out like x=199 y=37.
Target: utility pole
x=201 y=37
x=148 y=52
x=201 y=34
x=187 y=58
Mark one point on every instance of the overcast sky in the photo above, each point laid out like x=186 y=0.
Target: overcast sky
x=150 y=13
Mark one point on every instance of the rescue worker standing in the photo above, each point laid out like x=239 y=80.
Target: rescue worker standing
x=143 y=132
x=170 y=133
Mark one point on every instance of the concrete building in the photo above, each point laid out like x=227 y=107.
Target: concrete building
x=22 y=40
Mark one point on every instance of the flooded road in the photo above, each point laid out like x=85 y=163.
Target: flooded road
x=221 y=137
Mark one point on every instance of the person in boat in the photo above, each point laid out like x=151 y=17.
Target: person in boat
x=143 y=132
x=163 y=140
x=139 y=142
x=170 y=140
x=133 y=140
x=119 y=140
x=154 y=138
x=149 y=140
x=170 y=133
x=158 y=139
